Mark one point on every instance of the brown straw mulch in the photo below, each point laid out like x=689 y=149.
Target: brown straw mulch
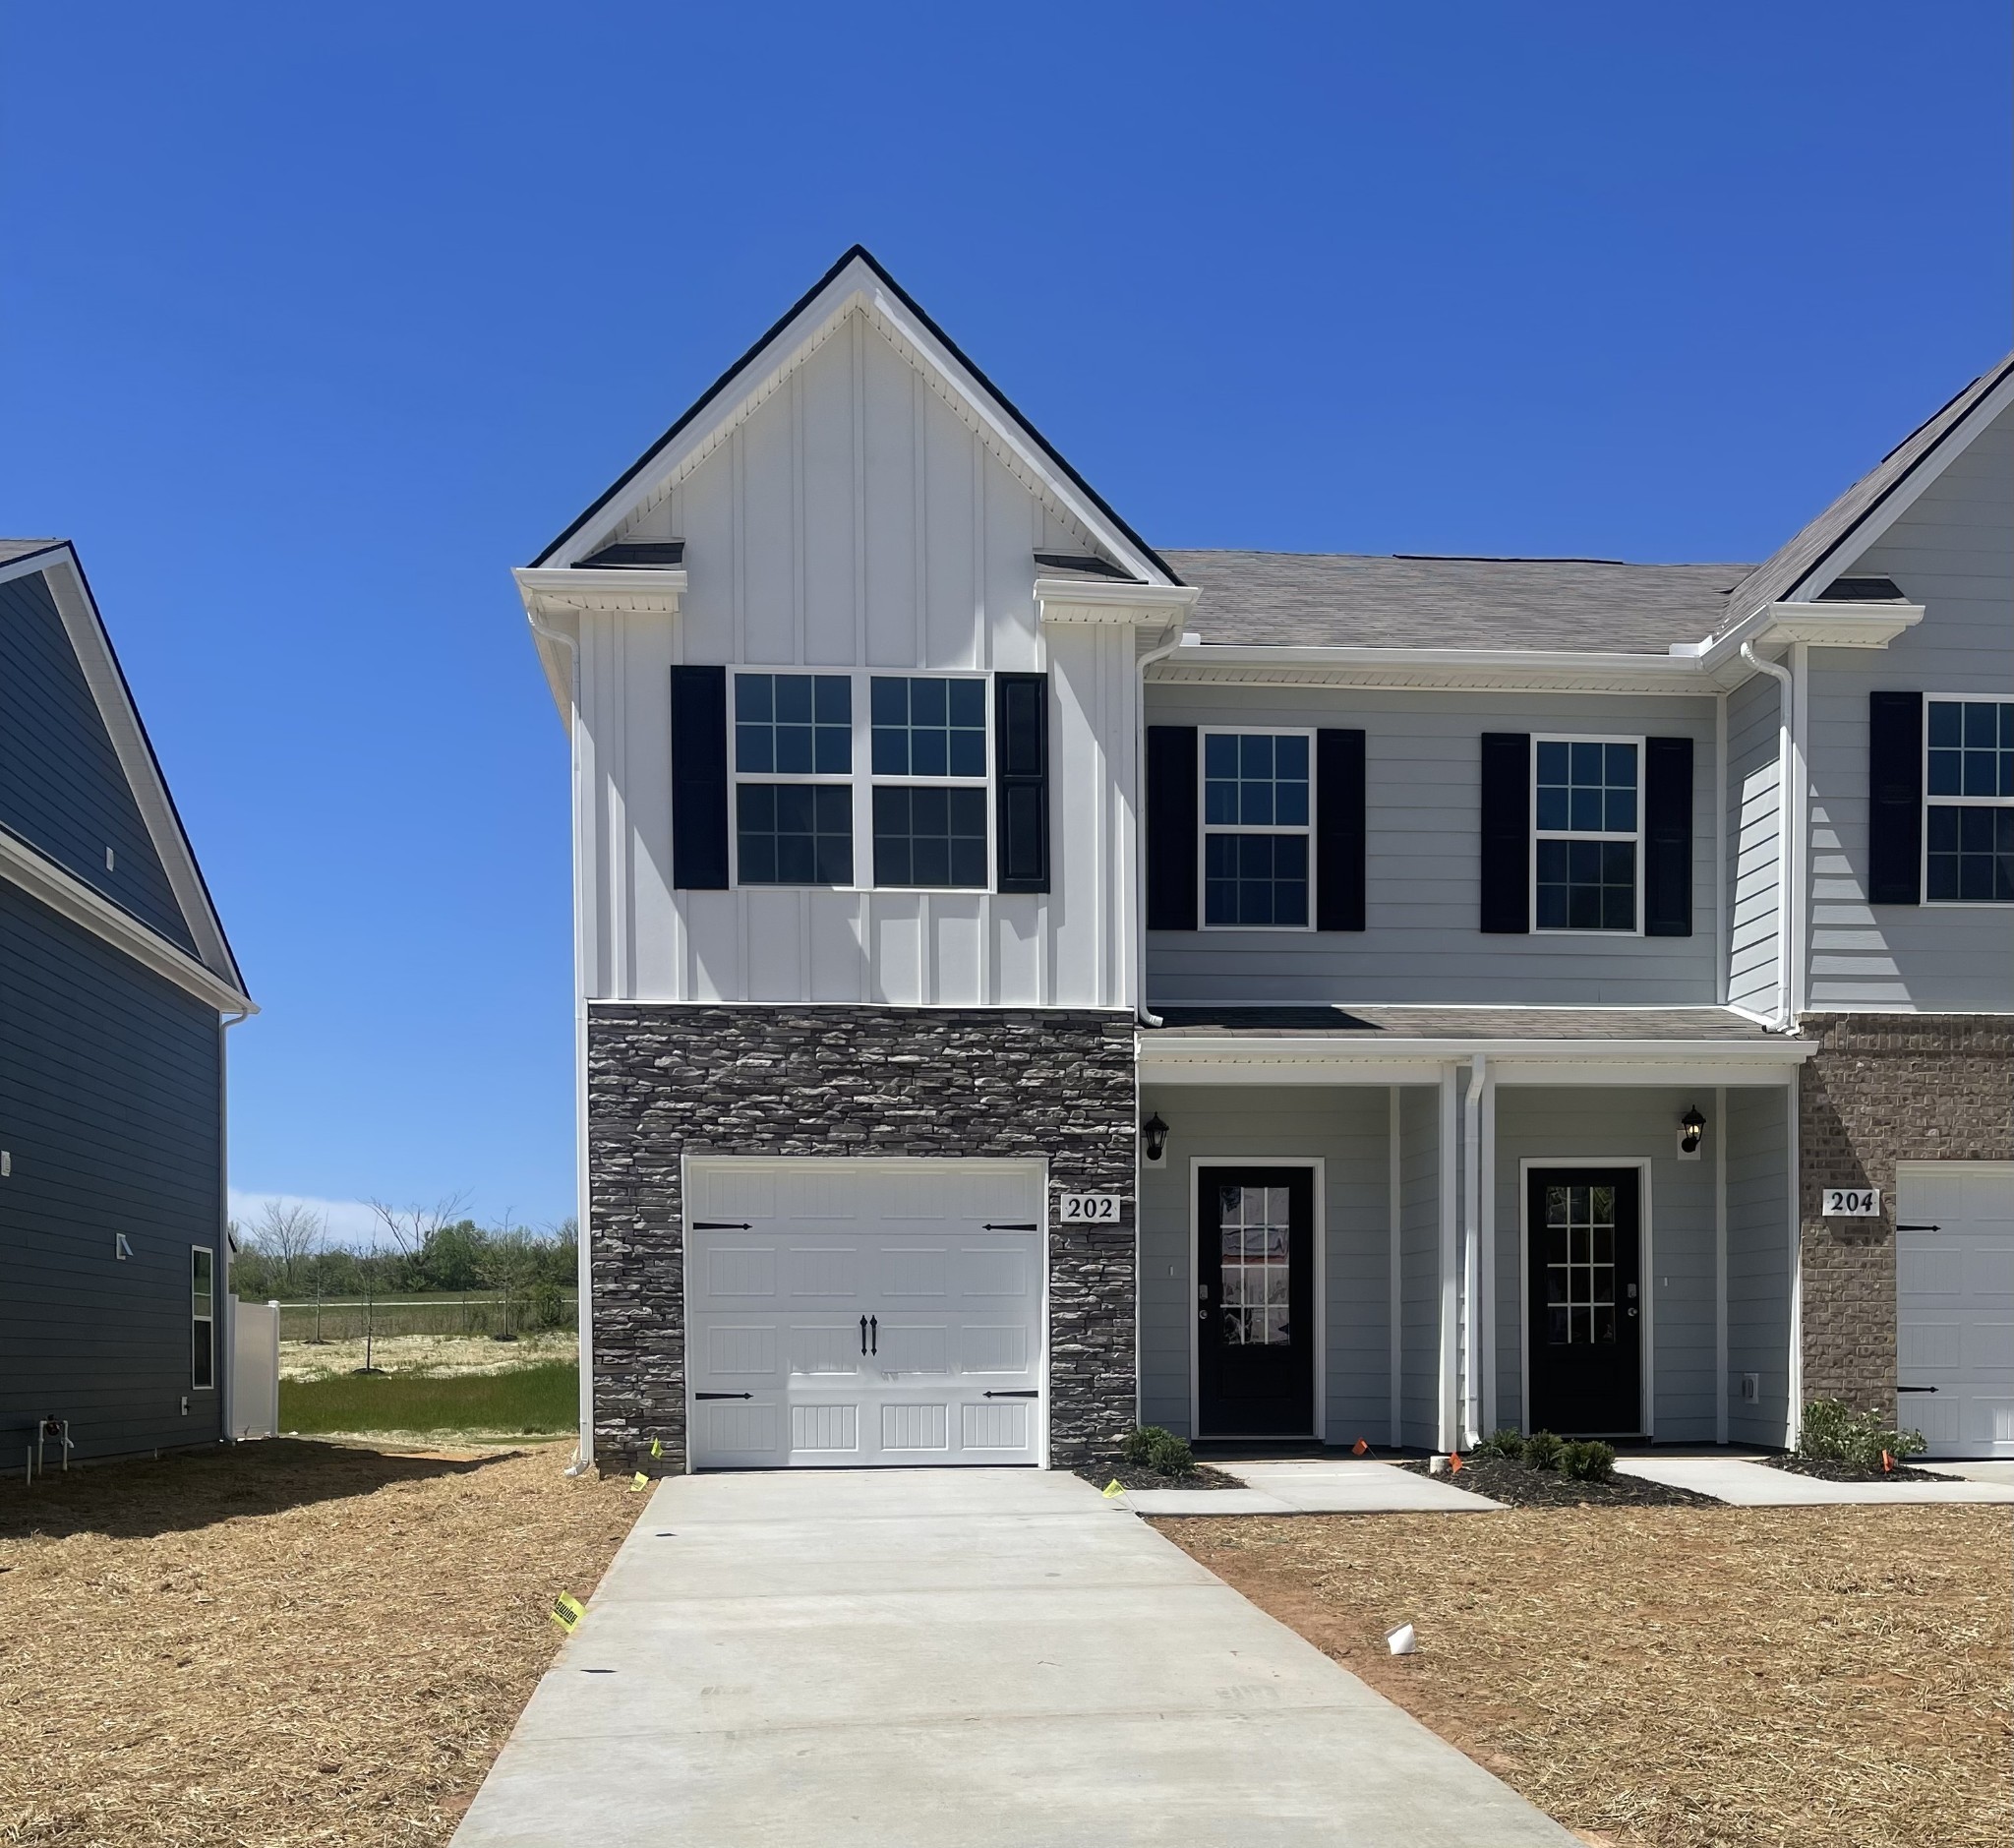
x=285 y=1645
x=1681 y=1678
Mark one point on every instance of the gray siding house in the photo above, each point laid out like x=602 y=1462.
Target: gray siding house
x=115 y=986
x=1030 y=982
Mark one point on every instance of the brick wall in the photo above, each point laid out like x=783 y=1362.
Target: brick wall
x=849 y=1081
x=1883 y=1089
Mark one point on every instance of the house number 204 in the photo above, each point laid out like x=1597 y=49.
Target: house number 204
x=1853 y=1203
x=1089 y=1209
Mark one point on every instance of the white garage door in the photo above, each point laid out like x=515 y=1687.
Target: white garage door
x=853 y=1312
x=1954 y=1276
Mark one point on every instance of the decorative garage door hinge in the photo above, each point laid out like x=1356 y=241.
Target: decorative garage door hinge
x=723 y=1395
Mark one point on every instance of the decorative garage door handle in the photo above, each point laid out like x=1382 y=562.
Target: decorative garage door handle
x=1916 y=1388
x=1030 y=1227
x=723 y=1395
x=1918 y=1229
x=875 y=1334
x=722 y=1226
x=1027 y=1395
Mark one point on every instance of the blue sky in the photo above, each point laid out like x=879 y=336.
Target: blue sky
x=314 y=321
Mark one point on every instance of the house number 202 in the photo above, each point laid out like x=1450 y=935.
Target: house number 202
x=1091 y=1209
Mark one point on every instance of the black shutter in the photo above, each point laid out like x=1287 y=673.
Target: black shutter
x=1895 y=798
x=1021 y=781
x=1338 y=830
x=1507 y=833
x=1667 y=837
x=699 y=778
x=1171 y=833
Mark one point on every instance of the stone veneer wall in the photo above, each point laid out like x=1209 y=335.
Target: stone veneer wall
x=667 y=1080
x=1883 y=1089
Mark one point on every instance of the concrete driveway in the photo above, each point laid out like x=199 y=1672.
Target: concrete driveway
x=953 y=1657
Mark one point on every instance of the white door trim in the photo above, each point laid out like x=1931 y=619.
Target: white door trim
x=1645 y=1220
x=1035 y=1166
x=1320 y=1164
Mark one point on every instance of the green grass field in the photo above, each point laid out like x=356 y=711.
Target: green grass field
x=527 y=1401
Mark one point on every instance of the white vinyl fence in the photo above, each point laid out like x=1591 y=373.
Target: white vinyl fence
x=255 y=1369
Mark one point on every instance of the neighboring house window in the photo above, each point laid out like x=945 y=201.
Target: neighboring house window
x=1587 y=833
x=794 y=754
x=202 y=1317
x=1969 y=780
x=930 y=789
x=1257 y=823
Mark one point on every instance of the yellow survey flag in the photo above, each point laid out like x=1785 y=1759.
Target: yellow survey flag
x=638 y=1483
x=657 y=1449
x=1112 y=1488
x=567 y=1610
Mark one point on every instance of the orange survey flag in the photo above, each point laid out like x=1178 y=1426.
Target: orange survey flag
x=1455 y=1462
x=1887 y=1463
x=1361 y=1448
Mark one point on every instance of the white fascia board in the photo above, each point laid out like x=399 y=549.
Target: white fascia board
x=1949 y=448
x=67 y=896
x=1483 y=670
x=857 y=286
x=1069 y=602
x=618 y=590
x=1270 y=1059
x=1842 y=625
x=92 y=643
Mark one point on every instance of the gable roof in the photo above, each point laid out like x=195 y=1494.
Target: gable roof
x=1780 y=577
x=213 y=971
x=1351 y=600
x=720 y=399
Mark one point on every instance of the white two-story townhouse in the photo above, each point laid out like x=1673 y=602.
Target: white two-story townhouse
x=1030 y=983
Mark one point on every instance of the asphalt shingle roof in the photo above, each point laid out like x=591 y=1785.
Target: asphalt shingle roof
x=1348 y=600
x=12 y=548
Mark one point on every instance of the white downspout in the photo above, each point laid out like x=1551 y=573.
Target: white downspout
x=1472 y=1245
x=1145 y=661
x=583 y=1315
x=1785 y=891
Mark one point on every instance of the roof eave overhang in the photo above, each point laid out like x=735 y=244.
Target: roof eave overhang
x=555 y=600
x=1076 y=602
x=1279 y=1059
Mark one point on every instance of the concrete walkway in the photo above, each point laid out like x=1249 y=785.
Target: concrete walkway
x=967 y=1658
x=1315 y=1486
x=1745 y=1484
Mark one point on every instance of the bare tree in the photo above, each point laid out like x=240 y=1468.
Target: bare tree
x=289 y=1233
x=409 y=1228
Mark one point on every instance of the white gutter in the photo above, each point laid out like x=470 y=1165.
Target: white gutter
x=1786 y=896
x=583 y=1454
x=1471 y=1257
x=1145 y=661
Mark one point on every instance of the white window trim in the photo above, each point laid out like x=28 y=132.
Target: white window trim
x=215 y=1360
x=860 y=779
x=1955 y=801
x=1208 y=827
x=1538 y=834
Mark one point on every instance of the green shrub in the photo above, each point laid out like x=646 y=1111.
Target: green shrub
x=544 y=1306
x=1504 y=1442
x=1589 y=1462
x=1832 y=1432
x=1162 y=1451
x=1543 y=1451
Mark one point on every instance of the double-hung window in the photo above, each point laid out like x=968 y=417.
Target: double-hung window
x=1258 y=821
x=1969 y=783
x=1587 y=842
x=794 y=759
x=929 y=781
x=201 y=1317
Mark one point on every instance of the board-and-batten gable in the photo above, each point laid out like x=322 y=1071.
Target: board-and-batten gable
x=1951 y=550
x=853 y=514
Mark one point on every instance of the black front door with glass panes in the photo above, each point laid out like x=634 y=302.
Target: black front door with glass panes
x=1585 y=1300
x=1255 y=1271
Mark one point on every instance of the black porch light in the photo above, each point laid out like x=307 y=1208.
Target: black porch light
x=1153 y=1137
x=1693 y=1126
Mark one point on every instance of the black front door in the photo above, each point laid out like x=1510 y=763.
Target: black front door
x=1585 y=1333
x=1255 y=1270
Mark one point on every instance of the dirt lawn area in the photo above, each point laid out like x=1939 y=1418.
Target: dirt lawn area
x=1683 y=1678
x=290 y=1643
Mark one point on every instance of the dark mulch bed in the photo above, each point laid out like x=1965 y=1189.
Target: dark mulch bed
x=1512 y=1483
x=1846 y=1473
x=1134 y=1477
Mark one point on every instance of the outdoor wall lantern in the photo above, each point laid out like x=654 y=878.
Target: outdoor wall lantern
x=1154 y=1140
x=1692 y=1126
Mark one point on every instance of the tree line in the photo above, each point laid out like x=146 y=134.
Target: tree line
x=287 y=1254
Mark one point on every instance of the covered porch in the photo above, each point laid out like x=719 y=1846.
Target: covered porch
x=1412 y=1226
